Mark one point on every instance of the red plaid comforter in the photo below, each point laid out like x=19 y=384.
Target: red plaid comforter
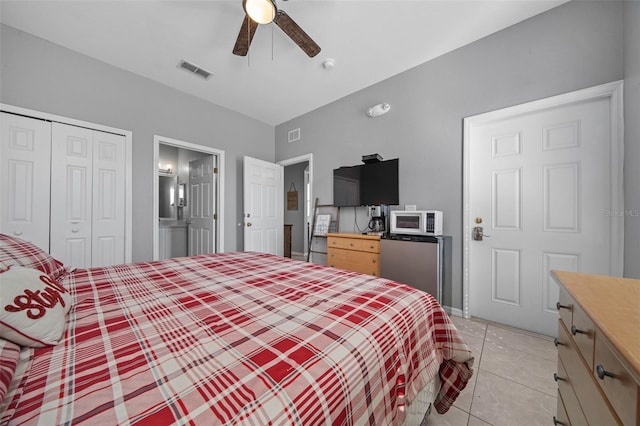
x=240 y=338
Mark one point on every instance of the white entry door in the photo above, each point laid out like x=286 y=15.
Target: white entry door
x=202 y=206
x=263 y=206
x=539 y=185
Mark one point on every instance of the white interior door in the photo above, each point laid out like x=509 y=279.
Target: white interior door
x=24 y=190
x=263 y=206
x=539 y=184
x=202 y=206
x=108 y=199
x=71 y=197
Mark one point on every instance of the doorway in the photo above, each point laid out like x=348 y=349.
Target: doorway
x=298 y=174
x=539 y=178
x=185 y=196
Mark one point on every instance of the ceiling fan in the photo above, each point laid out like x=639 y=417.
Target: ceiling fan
x=264 y=12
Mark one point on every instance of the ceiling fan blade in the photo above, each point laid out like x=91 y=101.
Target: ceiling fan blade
x=247 y=31
x=296 y=34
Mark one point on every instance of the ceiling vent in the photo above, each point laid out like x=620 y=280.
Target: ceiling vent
x=195 y=69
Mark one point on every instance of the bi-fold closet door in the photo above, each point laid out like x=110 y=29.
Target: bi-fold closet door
x=87 y=196
x=65 y=187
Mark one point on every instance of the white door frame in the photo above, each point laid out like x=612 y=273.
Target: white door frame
x=128 y=136
x=297 y=160
x=613 y=91
x=157 y=140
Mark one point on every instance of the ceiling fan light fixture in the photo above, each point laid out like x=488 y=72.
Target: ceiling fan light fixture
x=261 y=11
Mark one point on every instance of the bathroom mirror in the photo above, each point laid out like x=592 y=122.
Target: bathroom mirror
x=167 y=196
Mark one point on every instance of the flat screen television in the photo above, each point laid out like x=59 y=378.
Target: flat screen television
x=366 y=184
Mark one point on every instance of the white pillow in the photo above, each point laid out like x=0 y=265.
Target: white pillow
x=33 y=307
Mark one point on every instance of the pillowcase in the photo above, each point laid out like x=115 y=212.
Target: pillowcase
x=9 y=356
x=14 y=251
x=33 y=307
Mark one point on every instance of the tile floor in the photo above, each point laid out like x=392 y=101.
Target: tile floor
x=512 y=382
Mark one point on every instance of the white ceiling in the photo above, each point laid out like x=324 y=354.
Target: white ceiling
x=369 y=40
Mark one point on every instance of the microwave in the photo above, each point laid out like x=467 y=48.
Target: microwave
x=416 y=222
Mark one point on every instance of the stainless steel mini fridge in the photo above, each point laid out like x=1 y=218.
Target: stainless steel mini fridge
x=423 y=262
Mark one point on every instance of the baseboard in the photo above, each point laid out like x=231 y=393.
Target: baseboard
x=456 y=312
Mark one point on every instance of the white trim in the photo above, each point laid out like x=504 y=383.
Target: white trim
x=157 y=140
x=128 y=135
x=613 y=91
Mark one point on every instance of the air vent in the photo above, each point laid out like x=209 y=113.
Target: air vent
x=195 y=69
x=294 y=135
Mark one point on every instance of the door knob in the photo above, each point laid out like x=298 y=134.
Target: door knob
x=478 y=233
x=248 y=223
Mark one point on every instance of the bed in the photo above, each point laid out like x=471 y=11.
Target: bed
x=228 y=338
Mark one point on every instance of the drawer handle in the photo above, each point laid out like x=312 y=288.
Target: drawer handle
x=556 y=378
x=557 y=343
x=373 y=260
x=575 y=330
x=602 y=373
x=558 y=422
x=559 y=306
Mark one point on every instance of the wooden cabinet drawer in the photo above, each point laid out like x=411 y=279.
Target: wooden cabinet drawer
x=580 y=326
x=621 y=389
x=358 y=261
x=569 y=398
x=561 y=418
x=565 y=307
x=590 y=397
x=584 y=334
x=371 y=246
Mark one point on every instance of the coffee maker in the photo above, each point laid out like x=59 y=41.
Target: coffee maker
x=376 y=223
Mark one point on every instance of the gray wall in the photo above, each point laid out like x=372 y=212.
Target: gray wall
x=574 y=46
x=295 y=173
x=39 y=75
x=632 y=137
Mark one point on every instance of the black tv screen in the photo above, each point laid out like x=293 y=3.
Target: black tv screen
x=366 y=184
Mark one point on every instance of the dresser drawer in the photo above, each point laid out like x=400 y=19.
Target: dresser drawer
x=565 y=307
x=357 y=244
x=569 y=399
x=561 y=418
x=590 y=397
x=580 y=326
x=584 y=334
x=357 y=261
x=621 y=389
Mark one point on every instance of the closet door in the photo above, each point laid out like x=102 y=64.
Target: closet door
x=108 y=209
x=88 y=196
x=71 y=194
x=24 y=178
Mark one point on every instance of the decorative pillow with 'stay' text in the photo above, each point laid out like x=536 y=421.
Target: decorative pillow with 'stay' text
x=33 y=307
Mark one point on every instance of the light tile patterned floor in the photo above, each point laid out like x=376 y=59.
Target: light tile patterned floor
x=512 y=382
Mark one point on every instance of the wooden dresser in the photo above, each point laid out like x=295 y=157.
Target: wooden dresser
x=354 y=252
x=598 y=350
